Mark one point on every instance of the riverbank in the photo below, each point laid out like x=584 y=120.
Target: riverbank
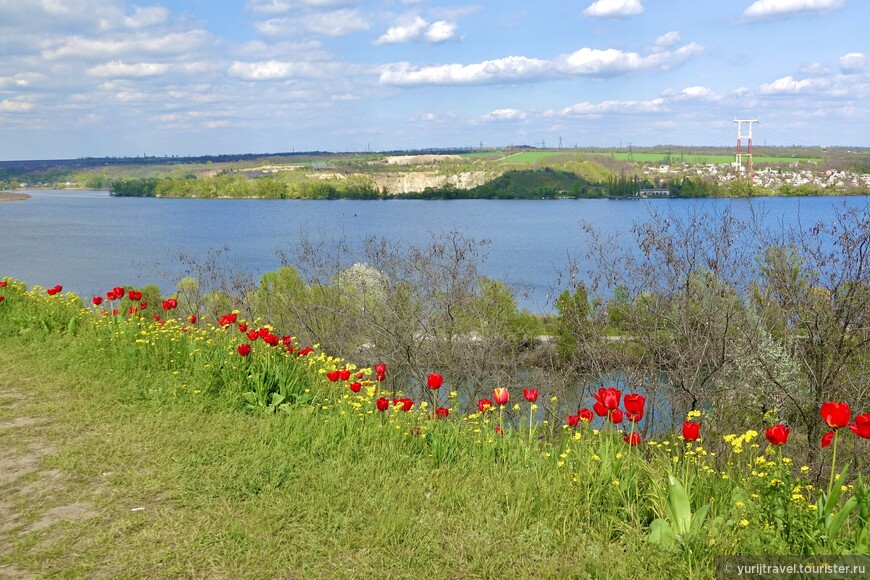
x=9 y=196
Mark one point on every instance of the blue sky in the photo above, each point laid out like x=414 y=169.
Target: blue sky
x=191 y=77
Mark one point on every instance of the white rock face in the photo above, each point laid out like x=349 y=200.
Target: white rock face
x=417 y=181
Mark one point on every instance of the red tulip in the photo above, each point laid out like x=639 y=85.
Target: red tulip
x=360 y=375
x=344 y=374
x=306 y=351
x=777 y=434
x=97 y=300
x=132 y=310
x=442 y=412
x=3 y=283
x=382 y=404
x=252 y=335
x=691 y=430
x=264 y=332
x=134 y=295
x=484 y=405
x=118 y=291
x=608 y=397
x=827 y=438
x=435 y=381
x=356 y=387
x=243 y=327
x=600 y=409
x=861 y=427
x=192 y=319
x=2 y=298
x=616 y=416
x=531 y=395
x=501 y=395
x=143 y=305
x=53 y=291
x=836 y=415
x=116 y=312
x=381 y=377
x=404 y=402
x=585 y=415
x=499 y=430
x=286 y=340
x=572 y=420
x=634 y=403
x=380 y=369
x=172 y=303
x=632 y=439
x=271 y=339
x=333 y=375
x=634 y=417
x=244 y=349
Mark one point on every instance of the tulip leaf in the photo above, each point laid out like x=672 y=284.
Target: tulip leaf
x=699 y=517
x=840 y=518
x=679 y=507
x=660 y=533
x=831 y=501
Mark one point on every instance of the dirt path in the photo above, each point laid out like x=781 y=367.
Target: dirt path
x=35 y=501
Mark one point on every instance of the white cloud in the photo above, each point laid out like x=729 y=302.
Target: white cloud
x=587 y=109
x=177 y=43
x=274 y=70
x=788 y=85
x=118 y=68
x=418 y=28
x=614 y=8
x=282 y=6
x=10 y=106
x=763 y=9
x=144 y=17
x=852 y=62
x=504 y=115
x=508 y=69
x=697 y=92
x=511 y=69
x=441 y=31
x=333 y=23
x=589 y=61
x=668 y=39
x=403 y=32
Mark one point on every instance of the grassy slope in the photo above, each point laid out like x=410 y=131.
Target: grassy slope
x=228 y=494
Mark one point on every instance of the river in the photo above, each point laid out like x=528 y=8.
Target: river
x=89 y=241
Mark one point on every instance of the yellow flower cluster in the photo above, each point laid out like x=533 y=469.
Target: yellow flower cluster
x=738 y=441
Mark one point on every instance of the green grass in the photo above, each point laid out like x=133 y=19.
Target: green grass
x=138 y=415
x=677 y=157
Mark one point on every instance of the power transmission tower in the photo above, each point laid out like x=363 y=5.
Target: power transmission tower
x=560 y=141
x=740 y=157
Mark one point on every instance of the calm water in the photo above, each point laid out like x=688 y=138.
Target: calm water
x=88 y=241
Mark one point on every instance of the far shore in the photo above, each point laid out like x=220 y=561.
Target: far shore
x=9 y=196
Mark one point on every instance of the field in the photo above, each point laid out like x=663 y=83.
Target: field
x=680 y=157
x=165 y=445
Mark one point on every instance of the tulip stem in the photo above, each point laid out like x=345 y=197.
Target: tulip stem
x=833 y=463
x=531 y=419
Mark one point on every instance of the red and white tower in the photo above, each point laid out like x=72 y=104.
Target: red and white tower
x=743 y=159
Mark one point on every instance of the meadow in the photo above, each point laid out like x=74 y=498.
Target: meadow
x=219 y=446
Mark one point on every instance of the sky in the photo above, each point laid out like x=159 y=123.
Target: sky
x=92 y=78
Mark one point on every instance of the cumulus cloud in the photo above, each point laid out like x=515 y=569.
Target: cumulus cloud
x=178 y=43
x=418 y=28
x=697 y=92
x=118 y=68
x=504 y=115
x=10 y=106
x=332 y=23
x=614 y=9
x=610 y=62
x=852 y=62
x=275 y=70
x=789 y=85
x=584 y=62
x=282 y=6
x=508 y=69
x=668 y=39
x=587 y=109
x=764 y=9
x=144 y=17
x=440 y=31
